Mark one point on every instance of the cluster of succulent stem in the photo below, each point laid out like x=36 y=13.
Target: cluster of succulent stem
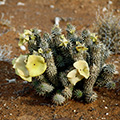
x=75 y=64
x=108 y=28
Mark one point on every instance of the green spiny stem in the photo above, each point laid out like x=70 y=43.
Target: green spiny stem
x=58 y=99
x=111 y=85
x=94 y=72
x=44 y=88
x=67 y=93
x=106 y=75
x=78 y=93
x=52 y=71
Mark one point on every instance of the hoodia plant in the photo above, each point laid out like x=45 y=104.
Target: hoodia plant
x=64 y=66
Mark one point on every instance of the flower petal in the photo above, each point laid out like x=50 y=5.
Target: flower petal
x=82 y=68
x=36 y=65
x=19 y=65
x=74 y=80
x=29 y=79
x=84 y=72
x=72 y=74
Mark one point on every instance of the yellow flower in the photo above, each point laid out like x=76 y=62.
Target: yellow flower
x=36 y=65
x=63 y=41
x=27 y=32
x=28 y=67
x=80 y=47
x=78 y=43
x=93 y=37
x=72 y=31
x=40 y=50
x=71 y=28
x=20 y=69
x=74 y=76
x=81 y=71
x=23 y=39
x=32 y=37
x=29 y=79
x=82 y=68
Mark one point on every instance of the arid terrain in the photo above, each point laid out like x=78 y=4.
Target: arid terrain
x=18 y=100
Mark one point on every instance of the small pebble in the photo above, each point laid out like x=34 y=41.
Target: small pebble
x=51 y=6
x=57 y=20
x=104 y=9
x=116 y=104
x=110 y=2
x=5 y=104
x=16 y=105
x=23 y=47
x=2 y=2
x=11 y=80
x=82 y=6
x=103 y=118
x=25 y=82
x=75 y=11
x=74 y=111
x=20 y=4
x=118 y=10
x=106 y=113
x=103 y=100
x=11 y=114
x=106 y=107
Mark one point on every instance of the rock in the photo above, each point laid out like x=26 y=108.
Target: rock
x=20 y=4
x=2 y=2
x=23 y=47
x=104 y=9
x=51 y=6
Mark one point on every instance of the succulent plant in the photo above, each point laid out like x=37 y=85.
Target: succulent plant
x=62 y=66
x=78 y=93
x=44 y=88
x=111 y=85
x=67 y=93
x=107 y=27
x=58 y=99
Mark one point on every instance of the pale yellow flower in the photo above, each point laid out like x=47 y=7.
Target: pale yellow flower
x=29 y=66
x=24 y=38
x=80 y=47
x=40 y=50
x=63 y=41
x=82 y=67
x=27 y=32
x=81 y=71
x=74 y=76
x=20 y=69
x=93 y=37
x=36 y=65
